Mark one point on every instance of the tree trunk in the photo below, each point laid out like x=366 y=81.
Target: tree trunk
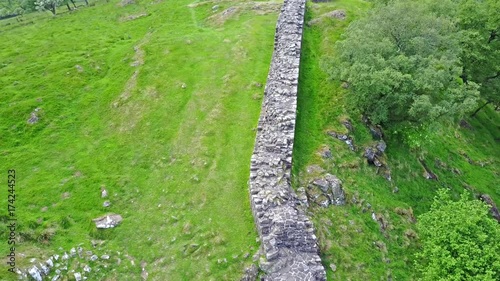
x=52 y=8
x=86 y=2
x=481 y=107
x=74 y=5
x=67 y=5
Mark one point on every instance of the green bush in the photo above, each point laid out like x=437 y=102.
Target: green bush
x=460 y=241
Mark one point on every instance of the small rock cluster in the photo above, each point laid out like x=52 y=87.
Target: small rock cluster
x=75 y=265
x=345 y=138
x=375 y=154
x=287 y=235
x=326 y=191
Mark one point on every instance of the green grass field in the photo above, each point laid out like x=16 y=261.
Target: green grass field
x=349 y=237
x=157 y=102
x=159 y=110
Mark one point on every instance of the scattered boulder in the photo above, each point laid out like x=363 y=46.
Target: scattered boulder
x=381 y=146
x=104 y=192
x=343 y=137
x=108 y=221
x=337 y=14
x=333 y=267
x=326 y=191
x=465 y=125
x=383 y=222
x=34 y=116
x=348 y=125
x=372 y=157
x=124 y=3
x=375 y=130
x=106 y=204
x=493 y=207
x=134 y=17
x=79 y=68
x=35 y=273
x=428 y=174
x=325 y=152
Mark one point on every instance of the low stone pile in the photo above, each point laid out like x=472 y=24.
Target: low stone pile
x=326 y=191
x=78 y=264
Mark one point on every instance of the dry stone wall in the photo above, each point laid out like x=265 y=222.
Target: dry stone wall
x=286 y=233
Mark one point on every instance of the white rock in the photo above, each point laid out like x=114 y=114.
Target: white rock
x=108 y=221
x=34 y=272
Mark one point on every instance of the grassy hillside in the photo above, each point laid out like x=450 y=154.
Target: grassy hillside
x=463 y=157
x=157 y=103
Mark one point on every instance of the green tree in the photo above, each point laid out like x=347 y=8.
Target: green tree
x=404 y=68
x=460 y=241
x=480 y=25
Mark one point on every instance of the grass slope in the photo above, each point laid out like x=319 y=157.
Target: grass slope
x=349 y=237
x=159 y=110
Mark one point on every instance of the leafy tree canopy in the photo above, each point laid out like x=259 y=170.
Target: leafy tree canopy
x=460 y=241
x=404 y=68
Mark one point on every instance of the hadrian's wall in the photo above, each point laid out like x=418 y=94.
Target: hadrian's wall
x=287 y=235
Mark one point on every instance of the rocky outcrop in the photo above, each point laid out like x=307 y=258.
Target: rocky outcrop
x=326 y=191
x=287 y=235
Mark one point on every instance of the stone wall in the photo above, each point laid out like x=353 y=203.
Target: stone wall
x=287 y=235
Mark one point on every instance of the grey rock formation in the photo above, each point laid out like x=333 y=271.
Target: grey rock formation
x=287 y=235
x=326 y=191
x=108 y=221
